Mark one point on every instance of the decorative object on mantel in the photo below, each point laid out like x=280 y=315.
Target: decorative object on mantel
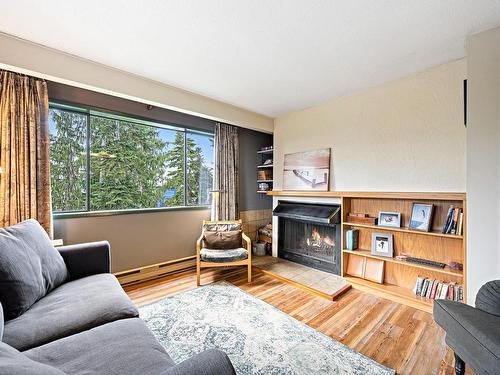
x=382 y=244
x=389 y=219
x=421 y=217
x=355 y=217
x=309 y=170
x=257 y=337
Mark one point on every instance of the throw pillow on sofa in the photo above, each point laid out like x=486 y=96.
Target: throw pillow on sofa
x=30 y=267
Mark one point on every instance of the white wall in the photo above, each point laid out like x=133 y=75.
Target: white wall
x=29 y=58
x=407 y=134
x=483 y=160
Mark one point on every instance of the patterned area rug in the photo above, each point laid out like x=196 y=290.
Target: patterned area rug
x=257 y=337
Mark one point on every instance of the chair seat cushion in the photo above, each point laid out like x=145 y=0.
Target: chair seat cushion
x=73 y=307
x=126 y=346
x=472 y=333
x=223 y=256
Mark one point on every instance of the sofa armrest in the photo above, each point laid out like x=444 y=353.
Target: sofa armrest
x=209 y=362
x=86 y=259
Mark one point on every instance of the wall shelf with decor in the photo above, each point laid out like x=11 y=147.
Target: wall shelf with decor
x=265 y=170
x=399 y=274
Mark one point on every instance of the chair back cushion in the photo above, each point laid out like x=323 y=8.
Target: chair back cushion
x=13 y=362
x=222 y=240
x=488 y=298
x=30 y=267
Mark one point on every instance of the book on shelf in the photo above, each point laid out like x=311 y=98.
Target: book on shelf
x=436 y=289
x=454 y=221
x=352 y=236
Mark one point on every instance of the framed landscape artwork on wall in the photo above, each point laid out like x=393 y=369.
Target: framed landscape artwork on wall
x=309 y=170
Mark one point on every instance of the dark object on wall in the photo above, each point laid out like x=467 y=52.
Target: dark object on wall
x=473 y=333
x=465 y=102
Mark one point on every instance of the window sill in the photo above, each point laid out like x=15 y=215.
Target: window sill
x=72 y=215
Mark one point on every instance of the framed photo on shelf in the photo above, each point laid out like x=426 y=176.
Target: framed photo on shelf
x=382 y=244
x=421 y=217
x=389 y=219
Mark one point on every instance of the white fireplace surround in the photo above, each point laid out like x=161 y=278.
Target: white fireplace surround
x=276 y=200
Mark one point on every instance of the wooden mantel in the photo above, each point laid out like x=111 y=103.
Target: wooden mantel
x=372 y=194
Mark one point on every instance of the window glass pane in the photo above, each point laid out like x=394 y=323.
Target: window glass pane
x=68 y=138
x=134 y=165
x=200 y=167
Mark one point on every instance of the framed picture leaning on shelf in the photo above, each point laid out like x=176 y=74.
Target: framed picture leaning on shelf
x=382 y=244
x=421 y=217
x=389 y=219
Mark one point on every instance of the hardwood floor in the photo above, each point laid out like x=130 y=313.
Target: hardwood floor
x=400 y=337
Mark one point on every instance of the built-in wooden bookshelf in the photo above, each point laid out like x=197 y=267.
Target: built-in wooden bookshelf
x=400 y=276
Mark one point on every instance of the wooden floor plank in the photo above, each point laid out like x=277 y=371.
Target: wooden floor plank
x=395 y=335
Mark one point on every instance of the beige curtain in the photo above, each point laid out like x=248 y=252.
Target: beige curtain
x=24 y=152
x=226 y=176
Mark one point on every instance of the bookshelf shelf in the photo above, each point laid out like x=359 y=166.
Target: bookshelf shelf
x=404 y=230
x=264 y=180
x=368 y=254
x=265 y=166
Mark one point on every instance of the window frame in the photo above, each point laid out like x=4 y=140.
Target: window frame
x=91 y=111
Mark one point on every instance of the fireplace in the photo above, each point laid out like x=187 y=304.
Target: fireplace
x=309 y=234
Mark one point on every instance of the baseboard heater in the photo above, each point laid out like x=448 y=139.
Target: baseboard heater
x=154 y=271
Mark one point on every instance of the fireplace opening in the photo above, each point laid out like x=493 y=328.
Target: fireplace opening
x=313 y=239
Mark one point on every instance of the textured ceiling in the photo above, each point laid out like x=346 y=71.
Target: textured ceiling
x=272 y=57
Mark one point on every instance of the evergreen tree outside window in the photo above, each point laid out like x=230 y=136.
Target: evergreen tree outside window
x=106 y=162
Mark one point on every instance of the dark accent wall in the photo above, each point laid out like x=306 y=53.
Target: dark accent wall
x=250 y=142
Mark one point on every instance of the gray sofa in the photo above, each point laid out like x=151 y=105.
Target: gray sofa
x=85 y=325
x=473 y=333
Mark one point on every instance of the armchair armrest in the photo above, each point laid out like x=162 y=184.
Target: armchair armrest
x=209 y=362
x=488 y=298
x=86 y=259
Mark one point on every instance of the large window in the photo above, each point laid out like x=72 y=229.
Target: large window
x=103 y=162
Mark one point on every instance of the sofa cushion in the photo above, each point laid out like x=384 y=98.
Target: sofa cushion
x=223 y=256
x=12 y=362
x=230 y=239
x=472 y=333
x=30 y=267
x=73 y=307
x=123 y=347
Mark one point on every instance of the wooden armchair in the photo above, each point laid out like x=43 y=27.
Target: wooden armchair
x=206 y=258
